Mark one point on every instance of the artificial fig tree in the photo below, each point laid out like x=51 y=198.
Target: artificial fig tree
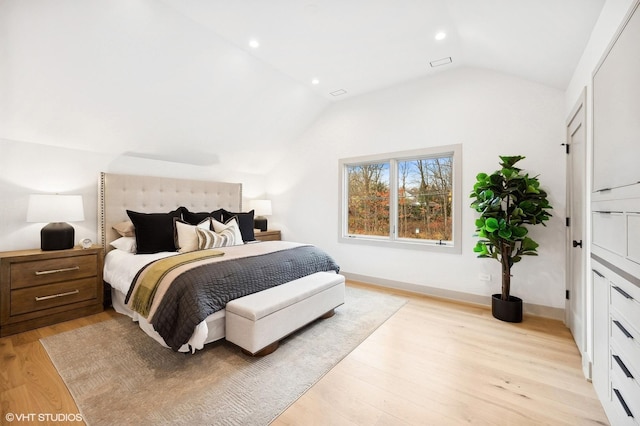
x=508 y=200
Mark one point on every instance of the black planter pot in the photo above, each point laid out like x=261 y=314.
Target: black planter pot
x=506 y=310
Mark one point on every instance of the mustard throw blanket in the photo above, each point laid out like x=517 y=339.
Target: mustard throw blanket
x=147 y=281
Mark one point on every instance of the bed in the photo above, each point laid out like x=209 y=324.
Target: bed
x=144 y=195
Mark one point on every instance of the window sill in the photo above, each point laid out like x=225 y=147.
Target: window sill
x=448 y=247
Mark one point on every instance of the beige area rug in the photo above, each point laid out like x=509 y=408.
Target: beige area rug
x=119 y=375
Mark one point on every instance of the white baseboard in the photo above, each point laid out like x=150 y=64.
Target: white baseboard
x=529 y=308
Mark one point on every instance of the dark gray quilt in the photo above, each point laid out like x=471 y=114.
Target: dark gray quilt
x=206 y=289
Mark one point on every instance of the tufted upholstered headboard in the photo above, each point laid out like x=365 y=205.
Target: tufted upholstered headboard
x=150 y=194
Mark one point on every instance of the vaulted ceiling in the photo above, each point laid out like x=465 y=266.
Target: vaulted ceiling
x=361 y=45
x=148 y=78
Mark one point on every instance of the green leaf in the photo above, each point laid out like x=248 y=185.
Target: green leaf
x=528 y=244
x=491 y=224
x=519 y=231
x=532 y=189
x=487 y=194
x=509 y=161
x=496 y=179
x=482 y=250
x=505 y=233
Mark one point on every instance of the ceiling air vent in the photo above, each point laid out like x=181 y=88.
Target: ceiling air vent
x=440 y=62
x=338 y=92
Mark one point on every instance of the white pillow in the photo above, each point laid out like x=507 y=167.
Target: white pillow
x=127 y=244
x=231 y=225
x=187 y=238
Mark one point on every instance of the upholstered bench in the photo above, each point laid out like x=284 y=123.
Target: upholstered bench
x=258 y=321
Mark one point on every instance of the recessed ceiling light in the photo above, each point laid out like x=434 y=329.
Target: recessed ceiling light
x=254 y=44
x=315 y=81
x=441 y=35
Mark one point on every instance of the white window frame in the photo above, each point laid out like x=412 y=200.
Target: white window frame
x=454 y=246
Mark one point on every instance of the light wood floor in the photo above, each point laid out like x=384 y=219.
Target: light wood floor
x=434 y=362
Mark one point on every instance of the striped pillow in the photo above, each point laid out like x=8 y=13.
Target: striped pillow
x=210 y=239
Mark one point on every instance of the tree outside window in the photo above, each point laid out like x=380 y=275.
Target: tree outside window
x=405 y=198
x=424 y=198
x=369 y=199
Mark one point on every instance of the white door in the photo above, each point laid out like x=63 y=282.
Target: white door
x=576 y=306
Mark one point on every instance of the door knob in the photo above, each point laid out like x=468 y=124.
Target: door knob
x=577 y=243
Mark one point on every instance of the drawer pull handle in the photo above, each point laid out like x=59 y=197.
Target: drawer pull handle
x=624 y=330
x=624 y=404
x=622 y=292
x=597 y=273
x=623 y=367
x=55 y=271
x=53 y=296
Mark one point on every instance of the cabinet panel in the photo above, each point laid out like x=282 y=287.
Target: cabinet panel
x=626 y=338
x=633 y=237
x=627 y=390
x=600 y=375
x=624 y=300
x=609 y=231
x=616 y=108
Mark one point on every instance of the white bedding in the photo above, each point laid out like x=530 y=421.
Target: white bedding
x=121 y=267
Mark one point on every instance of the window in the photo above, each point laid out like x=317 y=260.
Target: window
x=408 y=199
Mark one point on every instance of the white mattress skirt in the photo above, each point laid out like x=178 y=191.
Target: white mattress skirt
x=209 y=330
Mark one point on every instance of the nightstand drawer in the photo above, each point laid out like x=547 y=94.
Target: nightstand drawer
x=27 y=300
x=38 y=272
x=268 y=235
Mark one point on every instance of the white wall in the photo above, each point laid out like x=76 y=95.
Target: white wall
x=490 y=114
x=33 y=168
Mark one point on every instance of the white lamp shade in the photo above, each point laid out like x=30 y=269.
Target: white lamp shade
x=261 y=207
x=44 y=208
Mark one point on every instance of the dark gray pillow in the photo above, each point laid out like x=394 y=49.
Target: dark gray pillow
x=154 y=231
x=245 y=223
x=195 y=218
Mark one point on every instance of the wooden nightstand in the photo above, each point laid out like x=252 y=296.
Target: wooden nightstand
x=269 y=235
x=39 y=288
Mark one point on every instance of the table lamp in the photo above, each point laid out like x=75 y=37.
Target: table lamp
x=57 y=210
x=261 y=209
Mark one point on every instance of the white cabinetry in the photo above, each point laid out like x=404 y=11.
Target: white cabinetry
x=615 y=213
x=616 y=362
